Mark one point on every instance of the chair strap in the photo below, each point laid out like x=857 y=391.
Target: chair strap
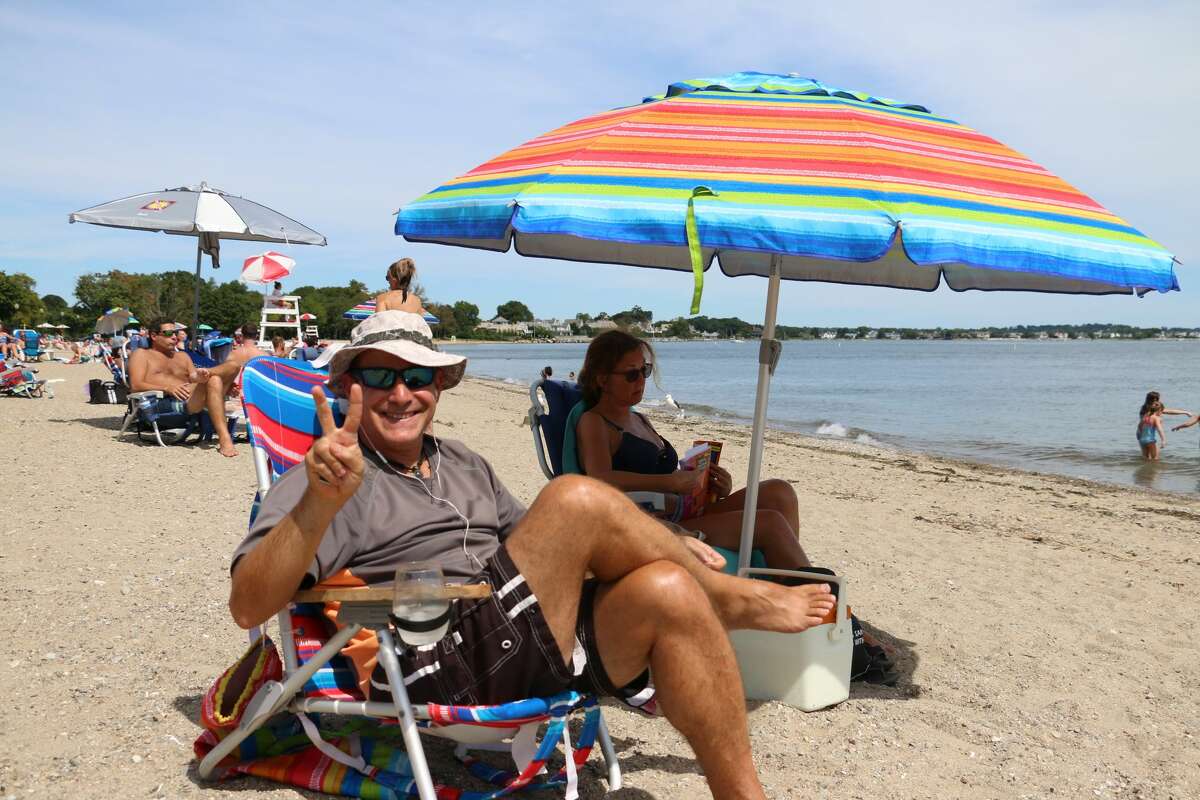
x=355 y=762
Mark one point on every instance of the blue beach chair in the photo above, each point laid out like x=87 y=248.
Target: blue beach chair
x=32 y=345
x=164 y=420
x=553 y=425
x=317 y=680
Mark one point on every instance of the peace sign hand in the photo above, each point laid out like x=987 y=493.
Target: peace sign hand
x=334 y=463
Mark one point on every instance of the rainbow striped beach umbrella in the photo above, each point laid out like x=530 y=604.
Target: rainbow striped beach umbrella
x=367 y=308
x=785 y=177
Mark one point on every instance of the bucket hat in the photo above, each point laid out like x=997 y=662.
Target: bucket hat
x=401 y=334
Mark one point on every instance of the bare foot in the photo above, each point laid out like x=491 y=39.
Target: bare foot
x=227 y=449
x=784 y=609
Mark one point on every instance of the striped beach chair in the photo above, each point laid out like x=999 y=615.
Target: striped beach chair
x=316 y=729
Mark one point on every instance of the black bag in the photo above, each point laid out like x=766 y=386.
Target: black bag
x=106 y=392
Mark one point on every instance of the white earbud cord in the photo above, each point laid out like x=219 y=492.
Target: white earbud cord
x=438 y=479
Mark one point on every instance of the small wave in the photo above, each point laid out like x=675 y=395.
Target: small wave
x=515 y=381
x=833 y=429
x=863 y=438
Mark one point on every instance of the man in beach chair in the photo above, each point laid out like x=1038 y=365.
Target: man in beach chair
x=163 y=368
x=379 y=490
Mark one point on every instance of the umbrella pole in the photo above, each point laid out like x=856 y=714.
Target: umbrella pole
x=196 y=291
x=769 y=349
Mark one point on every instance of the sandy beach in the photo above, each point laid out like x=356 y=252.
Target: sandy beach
x=1045 y=627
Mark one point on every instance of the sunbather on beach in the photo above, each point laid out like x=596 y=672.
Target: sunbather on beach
x=620 y=447
x=163 y=368
x=246 y=347
x=380 y=490
x=400 y=276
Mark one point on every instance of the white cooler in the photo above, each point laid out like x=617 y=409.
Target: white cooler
x=809 y=670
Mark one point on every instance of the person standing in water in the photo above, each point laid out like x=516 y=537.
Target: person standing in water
x=1150 y=435
x=400 y=296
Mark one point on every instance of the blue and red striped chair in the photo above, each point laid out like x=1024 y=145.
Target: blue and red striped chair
x=320 y=679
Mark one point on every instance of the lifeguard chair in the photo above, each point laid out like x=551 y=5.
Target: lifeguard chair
x=279 y=312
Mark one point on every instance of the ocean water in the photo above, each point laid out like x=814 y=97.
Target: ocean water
x=1065 y=407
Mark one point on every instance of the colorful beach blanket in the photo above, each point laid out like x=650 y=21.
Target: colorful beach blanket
x=284 y=752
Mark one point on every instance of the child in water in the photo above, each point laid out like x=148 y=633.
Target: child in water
x=1150 y=434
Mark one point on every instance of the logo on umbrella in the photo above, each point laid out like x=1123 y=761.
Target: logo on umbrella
x=158 y=205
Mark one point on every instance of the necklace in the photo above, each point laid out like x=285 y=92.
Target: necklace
x=414 y=470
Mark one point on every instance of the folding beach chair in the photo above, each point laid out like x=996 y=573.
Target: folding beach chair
x=31 y=345
x=283 y=426
x=20 y=382
x=154 y=416
x=553 y=424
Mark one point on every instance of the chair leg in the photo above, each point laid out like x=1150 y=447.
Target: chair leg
x=610 y=757
x=256 y=713
x=404 y=712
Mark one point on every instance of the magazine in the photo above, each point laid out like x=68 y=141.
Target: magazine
x=700 y=456
x=713 y=460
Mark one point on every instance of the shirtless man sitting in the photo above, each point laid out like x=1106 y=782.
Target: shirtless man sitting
x=165 y=369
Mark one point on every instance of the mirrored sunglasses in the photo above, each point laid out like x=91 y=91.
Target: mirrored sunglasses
x=385 y=377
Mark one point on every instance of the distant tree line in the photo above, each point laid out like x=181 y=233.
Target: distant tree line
x=226 y=306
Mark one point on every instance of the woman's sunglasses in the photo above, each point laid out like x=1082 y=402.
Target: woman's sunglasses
x=632 y=375
x=385 y=378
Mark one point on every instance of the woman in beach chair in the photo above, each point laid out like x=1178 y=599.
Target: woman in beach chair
x=619 y=446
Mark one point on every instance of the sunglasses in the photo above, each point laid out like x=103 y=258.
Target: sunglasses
x=632 y=375
x=385 y=378
x=166 y=333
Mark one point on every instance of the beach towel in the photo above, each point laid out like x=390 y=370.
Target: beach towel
x=286 y=749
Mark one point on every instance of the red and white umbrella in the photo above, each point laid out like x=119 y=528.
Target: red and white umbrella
x=307 y=317
x=267 y=267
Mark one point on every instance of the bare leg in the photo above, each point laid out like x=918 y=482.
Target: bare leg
x=579 y=525
x=660 y=608
x=772 y=535
x=659 y=615
x=773 y=494
x=211 y=396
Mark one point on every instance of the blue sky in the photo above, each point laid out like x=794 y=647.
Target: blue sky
x=337 y=119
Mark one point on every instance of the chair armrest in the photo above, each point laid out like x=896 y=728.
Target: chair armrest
x=155 y=393
x=379 y=594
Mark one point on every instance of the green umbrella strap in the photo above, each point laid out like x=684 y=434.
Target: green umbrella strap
x=693 y=240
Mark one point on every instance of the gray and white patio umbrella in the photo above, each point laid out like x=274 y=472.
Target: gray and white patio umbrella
x=204 y=212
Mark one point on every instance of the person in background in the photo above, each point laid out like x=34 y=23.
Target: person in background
x=162 y=368
x=310 y=351
x=273 y=299
x=547 y=372
x=181 y=337
x=1150 y=435
x=246 y=344
x=399 y=297
x=1155 y=397
x=7 y=347
x=571 y=376
x=278 y=347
